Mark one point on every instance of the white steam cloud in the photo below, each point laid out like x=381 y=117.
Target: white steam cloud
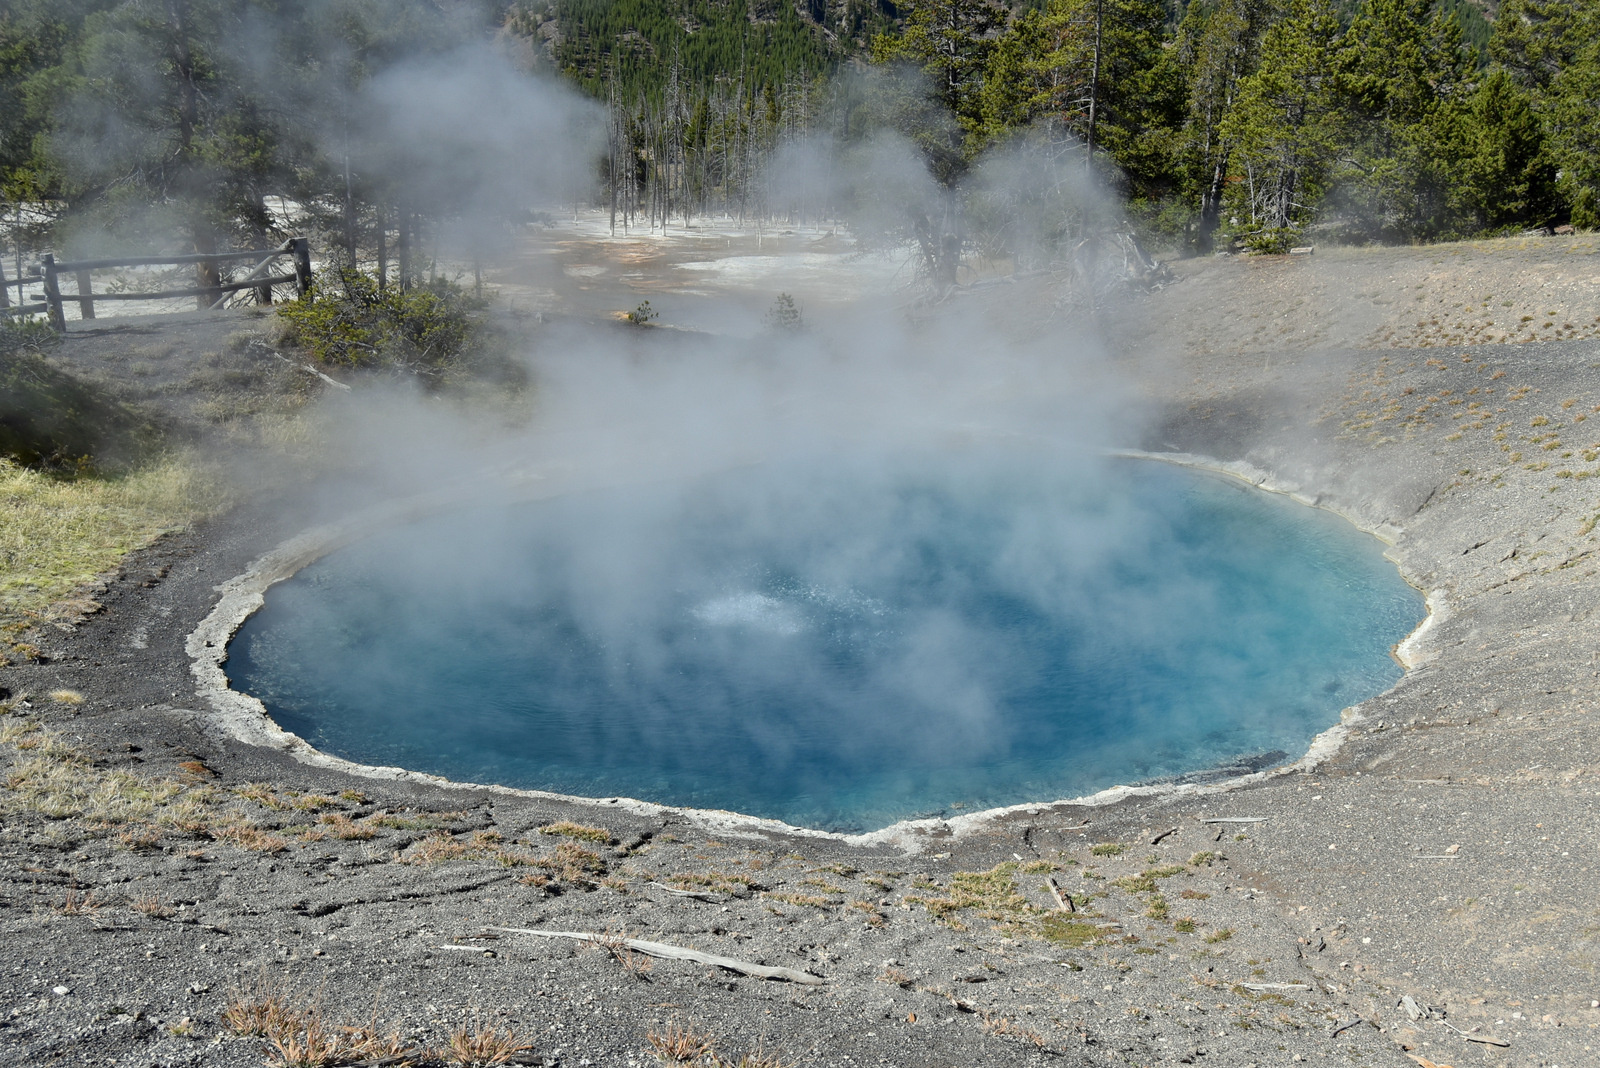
x=469 y=136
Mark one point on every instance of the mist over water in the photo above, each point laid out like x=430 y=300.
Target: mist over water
x=865 y=569
x=839 y=640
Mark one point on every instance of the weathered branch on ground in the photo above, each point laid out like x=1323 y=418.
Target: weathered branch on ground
x=664 y=951
x=698 y=895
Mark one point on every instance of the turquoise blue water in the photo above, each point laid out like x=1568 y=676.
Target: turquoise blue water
x=839 y=643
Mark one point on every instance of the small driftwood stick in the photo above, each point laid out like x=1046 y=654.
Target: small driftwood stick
x=1487 y=1040
x=697 y=894
x=664 y=951
x=308 y=369
x=1234 y=819
x=1063 y=901
x=483 y=950
x=1342 y=1028
x=1168 y=833
x=1275 y=986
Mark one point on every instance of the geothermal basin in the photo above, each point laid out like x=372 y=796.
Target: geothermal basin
x=839 y=642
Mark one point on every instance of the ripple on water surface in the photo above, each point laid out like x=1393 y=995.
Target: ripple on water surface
x=835 y=642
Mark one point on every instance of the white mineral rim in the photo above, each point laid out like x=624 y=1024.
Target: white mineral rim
x=245 y=718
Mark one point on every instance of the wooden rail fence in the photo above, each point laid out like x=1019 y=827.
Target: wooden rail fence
x=298 y=248
x=21 y=307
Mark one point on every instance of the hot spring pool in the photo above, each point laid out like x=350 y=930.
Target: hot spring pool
x=839 y=643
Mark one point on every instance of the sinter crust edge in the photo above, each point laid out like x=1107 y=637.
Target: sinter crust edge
x=245 y=718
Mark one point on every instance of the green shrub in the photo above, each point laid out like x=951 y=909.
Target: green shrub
x=785 y=315
x=351 y=322
x=1273 y=241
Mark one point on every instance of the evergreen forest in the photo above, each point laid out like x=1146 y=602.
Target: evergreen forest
x=1257 y=124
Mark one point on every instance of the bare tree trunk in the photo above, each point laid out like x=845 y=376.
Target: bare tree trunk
x=403 y=249
x=380 y=230
x=1094 y=83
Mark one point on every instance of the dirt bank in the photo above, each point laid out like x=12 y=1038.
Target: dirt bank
x=153 y=870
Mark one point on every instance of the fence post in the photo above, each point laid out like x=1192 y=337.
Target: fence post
x=52 y=293
x=302 y=268
x=263 y=293
x=85 y=299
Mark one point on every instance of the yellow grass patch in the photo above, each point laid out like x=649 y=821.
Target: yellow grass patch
x=58 y=534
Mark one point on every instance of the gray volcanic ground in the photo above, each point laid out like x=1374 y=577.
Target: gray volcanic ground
x=1425 y=890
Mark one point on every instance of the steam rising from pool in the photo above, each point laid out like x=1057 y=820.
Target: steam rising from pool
x=838 y=642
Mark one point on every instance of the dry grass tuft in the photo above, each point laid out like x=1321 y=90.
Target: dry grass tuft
x=249 y=836
x=298 y=1036
x=682 y=1045
x=306 y=1043
x=896 y=977
x=140 y=839
x=437 y=848
x=261 y=794
x=756 y=1058
x=870 y=912
x=66 y=697
x=77 y=904
x=633 y=962
x=577 y=830
x=153 y=905
x=477 y=1043
x=716 y=882
x=1008 y=1027
x=576 y=863
x=813 y=901
x=261 y=1009
x=346 y=829
x=679 y=1044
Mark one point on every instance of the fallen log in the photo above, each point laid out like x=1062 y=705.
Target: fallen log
x=664 y=951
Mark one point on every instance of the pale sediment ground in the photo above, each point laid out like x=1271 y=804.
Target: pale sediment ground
x=1446 y=853
x=713 y=274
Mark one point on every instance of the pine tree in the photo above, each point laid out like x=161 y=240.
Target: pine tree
x=1090 y=76
x=948 y=42
x=1285 y=127
x=1218 y=44
x=1504 y=173
x=165 y=129
x=1551 y=49
x=1401 y=62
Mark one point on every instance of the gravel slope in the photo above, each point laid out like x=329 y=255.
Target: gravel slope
x=1445 y=853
